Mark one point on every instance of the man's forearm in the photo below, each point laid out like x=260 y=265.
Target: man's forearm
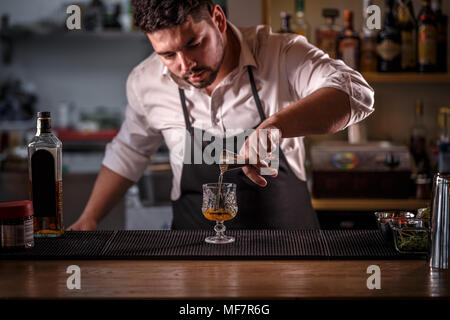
x=325 y=111
x=109 y=188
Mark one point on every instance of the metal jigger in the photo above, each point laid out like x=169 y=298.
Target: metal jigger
x=440 y=222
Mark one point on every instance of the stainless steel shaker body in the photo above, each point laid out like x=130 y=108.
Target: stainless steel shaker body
x=440 y=222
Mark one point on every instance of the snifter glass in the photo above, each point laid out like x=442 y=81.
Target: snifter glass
x=219 y=205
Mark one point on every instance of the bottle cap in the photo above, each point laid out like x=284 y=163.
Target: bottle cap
x=16 y=209
x=284 y=15
x=43 y=114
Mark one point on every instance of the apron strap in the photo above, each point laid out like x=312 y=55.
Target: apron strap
x=255 y=97
x=185 y=112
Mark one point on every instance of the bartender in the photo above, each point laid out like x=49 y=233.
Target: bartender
x=208 y=76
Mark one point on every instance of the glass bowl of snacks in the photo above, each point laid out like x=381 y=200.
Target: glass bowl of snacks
x=411 y=235
x=384 y=218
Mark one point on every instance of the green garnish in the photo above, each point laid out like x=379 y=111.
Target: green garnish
x=412 y=240
x=424 y=213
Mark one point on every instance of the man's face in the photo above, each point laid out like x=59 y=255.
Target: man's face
x=193 y=51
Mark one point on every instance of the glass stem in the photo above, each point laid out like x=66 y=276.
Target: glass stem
x=219 y=228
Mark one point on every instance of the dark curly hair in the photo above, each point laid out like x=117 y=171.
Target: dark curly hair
x=154 y=15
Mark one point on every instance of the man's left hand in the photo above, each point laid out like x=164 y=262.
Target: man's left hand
x=258 y=150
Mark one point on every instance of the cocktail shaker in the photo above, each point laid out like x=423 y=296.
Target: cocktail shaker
x=440 y=222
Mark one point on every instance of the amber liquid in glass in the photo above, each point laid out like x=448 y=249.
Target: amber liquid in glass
x=218 y=214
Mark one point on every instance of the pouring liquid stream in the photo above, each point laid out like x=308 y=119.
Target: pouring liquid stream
x=229 y=161
x=223 y=169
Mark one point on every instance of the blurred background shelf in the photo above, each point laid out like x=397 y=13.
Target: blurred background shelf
x=404 y=77
x=73 y=135
x=19 y=125
x=347 y=204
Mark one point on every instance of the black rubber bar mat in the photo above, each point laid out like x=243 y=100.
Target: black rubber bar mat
x=73 y=244
x=190 y=244
x=354 y=243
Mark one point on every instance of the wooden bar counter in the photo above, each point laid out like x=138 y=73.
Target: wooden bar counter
x=222 y=279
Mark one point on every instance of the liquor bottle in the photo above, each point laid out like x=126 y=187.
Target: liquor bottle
x=389 y=42
x=407 y=24
x=285 y=23
x=427 y=39
x=45 y=175
x=348 y=44
x=368 y=43
x=441 y=26
x=418 y=141
x=327 y=34
x=301 y=25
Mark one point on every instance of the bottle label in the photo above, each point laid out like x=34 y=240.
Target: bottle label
x=427 y=45
x=11 y=236
x=16 y=235
x=43 y=184
x=408 y=50
x=59 y=200
x=388 y=50
x=368 y=55
x=28 y=231
x=326 y=41
x=348 y=49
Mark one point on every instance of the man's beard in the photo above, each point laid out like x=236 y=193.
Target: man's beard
x=213 y=71
x=207 y=81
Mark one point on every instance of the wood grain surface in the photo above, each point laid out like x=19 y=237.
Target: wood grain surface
x=219 y=279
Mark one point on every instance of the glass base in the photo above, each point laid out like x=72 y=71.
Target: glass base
x=219 y=239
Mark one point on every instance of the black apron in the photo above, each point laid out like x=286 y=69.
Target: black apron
x=284 y=203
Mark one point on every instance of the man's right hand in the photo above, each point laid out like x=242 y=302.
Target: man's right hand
x=83 y=224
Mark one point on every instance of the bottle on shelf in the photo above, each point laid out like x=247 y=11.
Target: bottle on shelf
x=368 y=43
x=348 y=43
x=408 y=26
x=389 y=42
x=6 y=40
x=418 y=141
x=45 y=175
x=444 y=140
x=327 y=34
x=427 y=39
x=112 y=13
x=285 y=23
x=94 y=16
x=301 y=25
x=441 y=27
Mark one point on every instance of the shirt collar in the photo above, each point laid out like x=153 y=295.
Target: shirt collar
x=246 y=58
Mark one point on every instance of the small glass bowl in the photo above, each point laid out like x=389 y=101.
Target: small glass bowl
x=384 y=218
x=411 y=235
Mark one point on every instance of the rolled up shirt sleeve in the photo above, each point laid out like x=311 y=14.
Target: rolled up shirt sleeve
x=128 y=154
x=309 y=69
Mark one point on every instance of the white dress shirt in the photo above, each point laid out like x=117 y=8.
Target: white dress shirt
x=286 y=69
